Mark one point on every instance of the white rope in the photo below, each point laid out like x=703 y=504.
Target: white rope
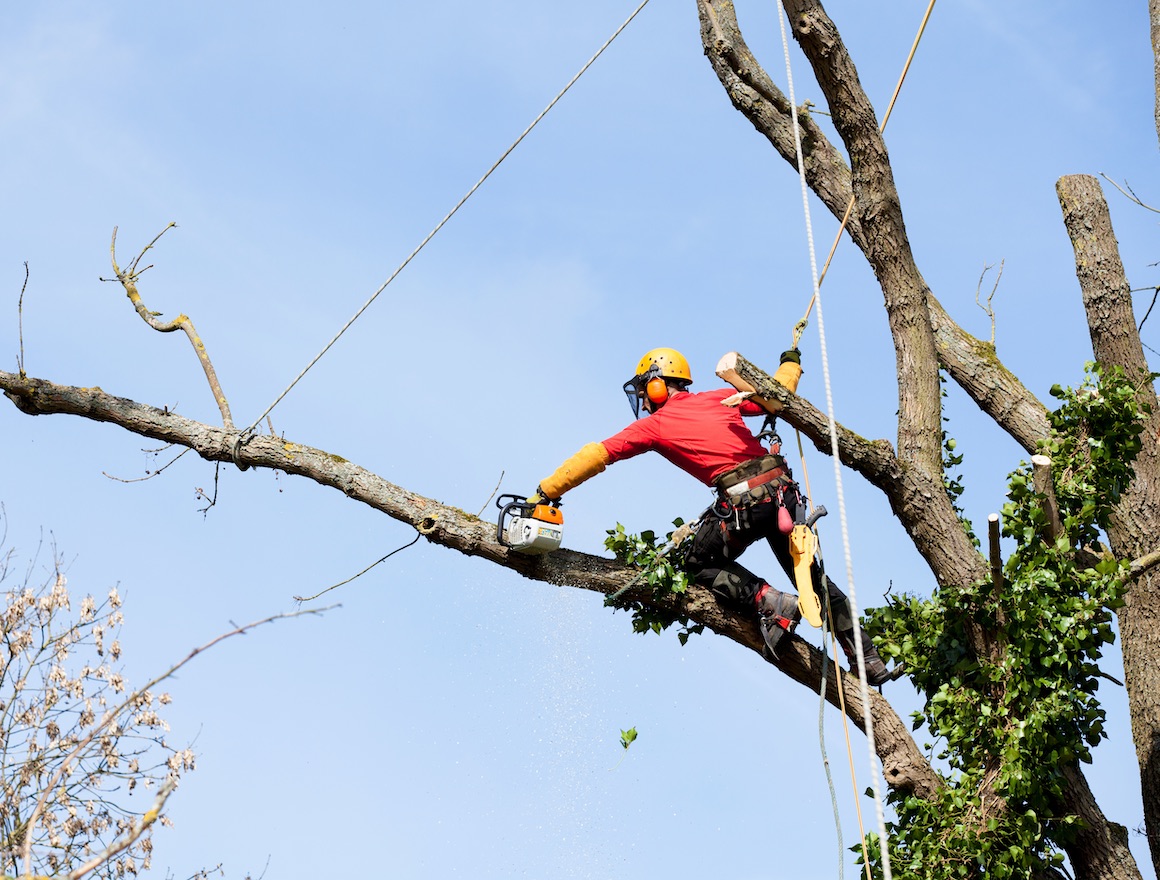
x=448 y=216
x=834 y=451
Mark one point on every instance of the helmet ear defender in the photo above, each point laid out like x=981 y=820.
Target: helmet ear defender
x=656 y=390
x=650 y=382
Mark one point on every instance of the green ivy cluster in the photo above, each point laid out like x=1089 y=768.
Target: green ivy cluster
x=1010 y=716
x=660 y=566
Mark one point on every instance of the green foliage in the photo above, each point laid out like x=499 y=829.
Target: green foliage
x=660 y=569
x=627 y=737
x=1009 y=674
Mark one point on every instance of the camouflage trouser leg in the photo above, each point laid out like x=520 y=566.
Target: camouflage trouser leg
x=711 y=561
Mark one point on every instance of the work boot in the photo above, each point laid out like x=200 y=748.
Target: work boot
x=876 y=671
x=777 y=614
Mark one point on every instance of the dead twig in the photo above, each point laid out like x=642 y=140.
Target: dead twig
x=492 y=495
x=978 y=292
x=149 y=475
x=128 y=279
x=20 y=323
x=300 y=599
x=132 y=835
x=1155 y=293
x=1129 y=193
x=201 y=493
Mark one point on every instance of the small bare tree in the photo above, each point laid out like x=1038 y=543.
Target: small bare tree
x=77 y=746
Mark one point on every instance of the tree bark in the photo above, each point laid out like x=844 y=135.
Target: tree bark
x=905 y=766
x=971 y=363
x=1154 y=17
x=1136 y=523
x=924 y=335
x=916 y=497
x=1100 y=848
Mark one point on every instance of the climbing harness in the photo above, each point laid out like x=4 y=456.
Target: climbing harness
x=831 y=422
x=443 y=222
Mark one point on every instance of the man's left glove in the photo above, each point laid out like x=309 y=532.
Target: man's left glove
x=789 y=371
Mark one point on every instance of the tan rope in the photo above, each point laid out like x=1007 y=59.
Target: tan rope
x=801 y=325
x=799 y=328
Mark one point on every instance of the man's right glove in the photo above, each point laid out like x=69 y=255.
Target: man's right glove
x=792 y=356
x=588 y=462
x=538 y=497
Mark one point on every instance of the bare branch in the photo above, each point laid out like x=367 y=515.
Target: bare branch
x=411 y=543
x=450 y=527
x=1129 y=193
x=132 y=835
x=149 y=475
x=990 y=312
x=20 y=320
x=182 y=322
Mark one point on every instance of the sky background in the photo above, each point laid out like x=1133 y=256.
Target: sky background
x=452 y=718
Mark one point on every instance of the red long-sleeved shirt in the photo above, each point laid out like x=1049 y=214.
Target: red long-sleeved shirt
x=696 y=432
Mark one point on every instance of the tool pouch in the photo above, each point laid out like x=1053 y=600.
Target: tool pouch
x=753 y=468
x=755 y=481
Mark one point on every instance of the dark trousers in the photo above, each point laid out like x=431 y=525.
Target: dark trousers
x=711 y=560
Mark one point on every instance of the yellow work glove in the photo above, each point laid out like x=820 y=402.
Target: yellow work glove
x=588 y=462
x=790 y=370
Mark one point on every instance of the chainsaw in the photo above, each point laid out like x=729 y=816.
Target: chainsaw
x=530 y=528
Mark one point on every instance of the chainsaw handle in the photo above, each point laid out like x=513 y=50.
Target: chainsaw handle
x=505 y=510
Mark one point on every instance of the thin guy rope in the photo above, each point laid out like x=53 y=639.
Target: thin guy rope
x=448 y=216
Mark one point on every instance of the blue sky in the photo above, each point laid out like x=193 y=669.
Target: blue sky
x=450 y=718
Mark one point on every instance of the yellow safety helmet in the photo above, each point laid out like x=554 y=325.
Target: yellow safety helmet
x=649 y=380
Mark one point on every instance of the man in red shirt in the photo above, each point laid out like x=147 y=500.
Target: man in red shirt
x=757 y=497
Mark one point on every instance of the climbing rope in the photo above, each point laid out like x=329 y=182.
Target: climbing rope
x=447 y=217
x=799 y=328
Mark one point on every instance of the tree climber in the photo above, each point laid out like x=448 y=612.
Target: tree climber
x=706 y=437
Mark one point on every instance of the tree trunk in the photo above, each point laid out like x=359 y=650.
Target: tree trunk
x=1154 y=16
x=1135 y=527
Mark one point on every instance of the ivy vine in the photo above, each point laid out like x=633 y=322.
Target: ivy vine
x=1009 y=719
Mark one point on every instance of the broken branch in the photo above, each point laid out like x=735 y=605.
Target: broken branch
x=182 y=322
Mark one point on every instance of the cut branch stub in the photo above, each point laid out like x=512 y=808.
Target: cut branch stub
x=1041 y=481
x=128 y=279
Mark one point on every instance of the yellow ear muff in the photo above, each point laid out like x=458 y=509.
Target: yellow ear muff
x=656 y=390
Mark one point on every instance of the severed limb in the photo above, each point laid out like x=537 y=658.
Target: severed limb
x=128 y=279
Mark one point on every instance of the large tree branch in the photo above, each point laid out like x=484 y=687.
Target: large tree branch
x=904 y=765
x=756 y=96
x=970 y=362
x=917 y=498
